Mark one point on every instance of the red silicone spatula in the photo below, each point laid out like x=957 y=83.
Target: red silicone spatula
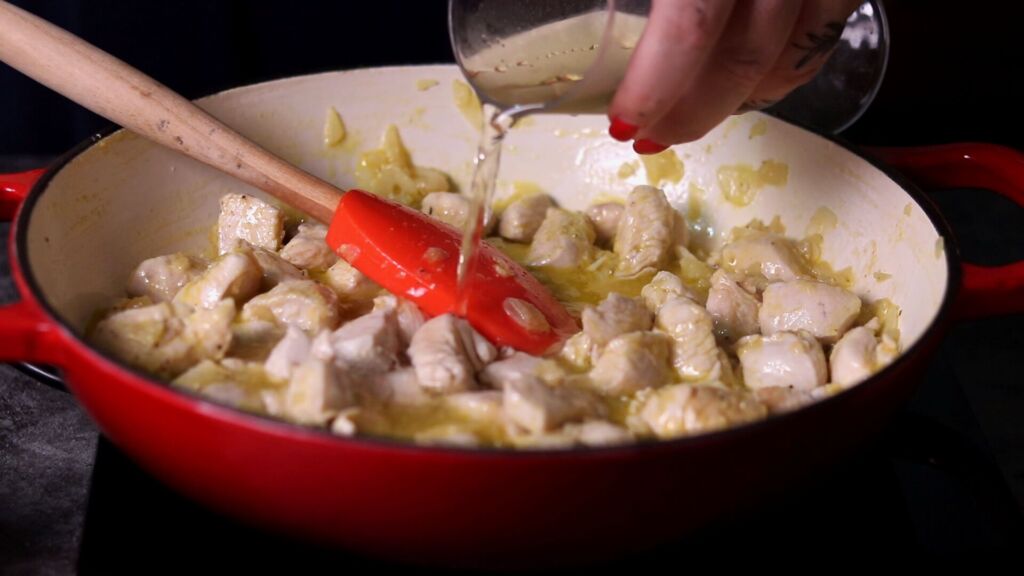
x=384 y=240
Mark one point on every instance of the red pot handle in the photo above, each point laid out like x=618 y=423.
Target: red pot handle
x=25 y=333
x=986 y=290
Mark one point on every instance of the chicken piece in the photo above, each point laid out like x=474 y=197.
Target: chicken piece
x=788 y=359
x=687 y=409
x=451 y=208
x=164 y=339
x=733 y=309
x=485 y=406
x=233 y=382
x=409 y=316
x=367 y=345
x=236 y=275
x=579 y=351
x=308 y=249
x=248 y=218
x=564 y=240
x=521 y=219
x=645 y=236
x=317 y=392
x=633 y=362
x=599 y=433
x=606 y=217
x=346 y=423
x=350 y=284
x=162 y=277
x=275 y=269
x=398 y=387
x=520 y=366
x=614 y=316
x=695 y=355
x=765 y=254
x=447 y=353
x=663 y=287
x=782 y=399
x=824 y=310
x=859 y=354
x=536 y=407
x=290 y=351
x=305 y=304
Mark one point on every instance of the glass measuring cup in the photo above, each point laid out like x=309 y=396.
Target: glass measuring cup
x=570 y=56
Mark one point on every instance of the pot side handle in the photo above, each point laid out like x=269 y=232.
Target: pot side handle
x=986 y=290
x=25 y=333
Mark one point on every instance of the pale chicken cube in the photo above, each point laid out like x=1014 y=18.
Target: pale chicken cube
x=633 y=362
x=564 y=240
x=695 y=354
x=308 y=249
x=687 y=409
x=606 y=217
x=162 y=277
x=763 y=253
x=859 y=354
x=398 y=387
x=209 y=330
x=250 y=219
x=305 y=304
x=350 y=284
x=522 y=218
x=275 y=269
x=232 y=382
x=485 y=406
x=447 y=354
x=824 y=310
x=733 y=309
x=645 y=236
x=579 y=351
x=292 y=350
x=317 y=392
x=614 y=316
x=782 y=399
x=663 y=287
x=408 y=315
x=367 y=345
x=518 y=366
x=536 y=407
x=236 y=275
x=787 y=359
x=599 y=433
x=451 y=208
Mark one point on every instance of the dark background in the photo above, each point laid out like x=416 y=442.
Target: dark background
x=952 y=75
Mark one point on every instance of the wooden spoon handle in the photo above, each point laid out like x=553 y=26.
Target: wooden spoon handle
x=122 y=94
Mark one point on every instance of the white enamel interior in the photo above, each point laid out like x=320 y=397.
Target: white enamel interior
x=124 y=199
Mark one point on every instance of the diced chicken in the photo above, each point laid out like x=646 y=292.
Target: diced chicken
x=398 y=387
x=614 y=316
x=599 y=433
x=162 y=277
x=451 y=208
x=165 y=339
x=247 y=218
x=235 y=275
x=564 y=240
x=410 y=318
x=787 y=359
x=317 y=392
x=579 y=351
x=824 y=310
x=346 y=423
x=633 y=362
x=606 y=217
x=447 y=353
x=686 y=409
x=254 y=339
x=536 y=407
x=304 y=304
x=228 y=382
x=858 y=355
x=695 y=355
x=781 y=399
x=521 y=219
x=645 y=235
x=275 y=269
x=308 y=249
x=733 y=309
x=350 y=284
x=763 y=253
x=367 y=345
x=289 y=352
x=521 y=366
x=663 y=287
x=484 y=406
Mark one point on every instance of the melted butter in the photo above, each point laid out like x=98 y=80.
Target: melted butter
x=627 y=169
x=424 y=84
x=468 y=104
x=888 y=315
x=740 y=183
x=759 y=128
x=663 y=167
x=881 y=276
x=940 y=247
x=810 y=250
x=389 y=171
x=823 y=220
x=520 y=189
x=334 y=128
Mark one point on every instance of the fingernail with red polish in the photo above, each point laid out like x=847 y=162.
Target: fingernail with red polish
x=621 y=130
x=645 y=146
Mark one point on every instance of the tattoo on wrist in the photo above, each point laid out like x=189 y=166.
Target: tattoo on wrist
x=819 y=44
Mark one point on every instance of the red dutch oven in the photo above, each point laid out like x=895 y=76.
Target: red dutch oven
x=80 y=226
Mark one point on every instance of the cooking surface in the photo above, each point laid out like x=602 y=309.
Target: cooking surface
x=947 y=476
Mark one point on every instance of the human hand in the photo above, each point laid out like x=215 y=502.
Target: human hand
x=699 y=61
